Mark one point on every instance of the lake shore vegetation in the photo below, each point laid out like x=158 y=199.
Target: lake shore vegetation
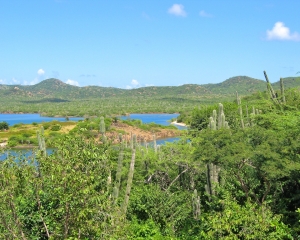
x=234 y=174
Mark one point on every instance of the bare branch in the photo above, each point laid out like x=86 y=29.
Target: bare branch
x=177 y=177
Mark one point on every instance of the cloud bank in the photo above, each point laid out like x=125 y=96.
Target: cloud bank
x=281 y=32
x=40 y=72
x=133 y=84
x=72 y=82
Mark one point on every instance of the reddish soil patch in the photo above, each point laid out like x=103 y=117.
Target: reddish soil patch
x=141 y=134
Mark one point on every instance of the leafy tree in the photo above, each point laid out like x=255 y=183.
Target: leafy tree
x=4 y=126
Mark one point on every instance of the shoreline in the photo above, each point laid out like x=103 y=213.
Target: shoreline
x=179 y=124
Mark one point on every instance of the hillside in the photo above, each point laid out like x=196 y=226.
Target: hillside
x=290 y=82
x=54 y=88
x=242 y=84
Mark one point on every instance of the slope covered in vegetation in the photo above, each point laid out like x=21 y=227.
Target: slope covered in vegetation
x=53 y=97
x=234 y=175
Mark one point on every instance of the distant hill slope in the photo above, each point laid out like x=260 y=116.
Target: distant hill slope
x=290 y=82
x=242 y=84
x=56 y=90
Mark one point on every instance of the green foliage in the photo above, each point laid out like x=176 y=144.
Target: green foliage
x=248 y=221
x=55 y=127
x=145 y=230
x=89 y=189
x=69 y=198
x=4 y=126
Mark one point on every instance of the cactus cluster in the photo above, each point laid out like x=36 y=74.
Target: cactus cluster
x=217 y=121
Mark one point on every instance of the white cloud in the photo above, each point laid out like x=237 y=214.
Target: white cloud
x=149 y=85
x=281 y=32
x=134 y=83
x=33 y=82
x=72 y=82
x=202 y=13
x=177 y=10
x=128 y=87
x=40 y=72
x=15 y=81
x=2 y=81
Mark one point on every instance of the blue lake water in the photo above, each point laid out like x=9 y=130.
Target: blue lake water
x=11 y=119
x=29 y=118
x=162 y=119
x=28 y=154
x=158 y=118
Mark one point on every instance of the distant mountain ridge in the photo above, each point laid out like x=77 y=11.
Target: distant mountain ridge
x=55 y=88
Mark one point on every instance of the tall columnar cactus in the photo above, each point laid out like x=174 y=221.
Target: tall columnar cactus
x=247 y=115
x=217 y=121
x=131 y=140
x=196 y=205
x=238 y=100
x=120 y=137
x=129 y=183
x=118 y=177
x=282 y=91
x=252 y=117
x=102 y=128
x=126 y=140
x=214 y=115
x=154 y=143
x=212 y=178
x=220 y=118
x=212 y=123
x=41 y=141
x=241 y=117
x=134 y=141
x=271 y=90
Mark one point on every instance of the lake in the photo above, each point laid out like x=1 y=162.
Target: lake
x=29 y=118
x=22 y=153
x=11 y=119
x=158 y=118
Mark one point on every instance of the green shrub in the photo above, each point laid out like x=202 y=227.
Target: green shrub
x=17 y=125
x=4 y=126
x=26 y=135
x=54 y=134
x=46 y=125
x=55 y=127
x=12 y=143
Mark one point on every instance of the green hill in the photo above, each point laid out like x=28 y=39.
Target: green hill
x=242 y=84
x=55 y=89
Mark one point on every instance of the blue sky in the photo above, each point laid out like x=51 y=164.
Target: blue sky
x=134 y=43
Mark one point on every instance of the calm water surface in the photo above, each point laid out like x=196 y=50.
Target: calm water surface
x=29 y=118
x=158 y=118
x=28 y=154
x=11 y=119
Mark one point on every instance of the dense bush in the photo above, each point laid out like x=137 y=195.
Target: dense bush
x=4 y=126
x=55 y=127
